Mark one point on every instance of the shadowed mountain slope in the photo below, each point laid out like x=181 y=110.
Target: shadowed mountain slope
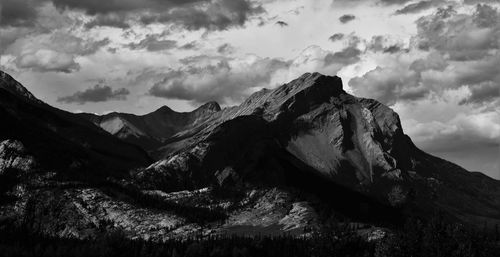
x=59 y=139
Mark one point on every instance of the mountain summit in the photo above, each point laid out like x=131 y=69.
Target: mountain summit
x=275 y=163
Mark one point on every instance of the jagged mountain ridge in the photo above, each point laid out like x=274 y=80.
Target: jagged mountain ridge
x=278 y=154
x=152 y=130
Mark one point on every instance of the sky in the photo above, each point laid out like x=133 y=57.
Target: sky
x=435 y=62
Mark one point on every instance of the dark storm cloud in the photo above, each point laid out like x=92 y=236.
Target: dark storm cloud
x=346 y=18
x=98 y=6
x=190 y=14
x=281 y=23
x=336 y=37
x=18 y=12
x=221 y=82
x=153 y=43
x=98 y=93
x=416 y=7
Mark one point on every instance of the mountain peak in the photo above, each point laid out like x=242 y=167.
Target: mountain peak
x=297 y=96
x=8 y=83
x=210 y=106
x=165 y=108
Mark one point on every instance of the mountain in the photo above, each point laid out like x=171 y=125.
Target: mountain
x=152 y=130
x=312 y=127
x=58 y=139
x=287 y=160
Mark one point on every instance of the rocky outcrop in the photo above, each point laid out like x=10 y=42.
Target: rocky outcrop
x=13 y=155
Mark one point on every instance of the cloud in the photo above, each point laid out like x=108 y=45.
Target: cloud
x=190 y=14
x=52 y=52
x=461 y=52
x=98 y=93
x=281 y=23
x=460 y=36
x=18 y=13
x=389 y=85
x=416 y=7
x=468 y=135
x=346 y=56
x=108 y=20
x=465 y=129
x=393 y=49
x=44 y=60
x=346 y=18
x=225 y=49
x=389 y=2
x=217 y=79
x=336 y=37
x=383 y=44
x=465 y=139
x=190 y=46
x=153 y=43
x=433 y=74
x=483 y=92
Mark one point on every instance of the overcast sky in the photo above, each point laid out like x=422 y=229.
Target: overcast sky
x=436 y=62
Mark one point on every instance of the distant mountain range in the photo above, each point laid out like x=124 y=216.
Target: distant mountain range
x=279 y=162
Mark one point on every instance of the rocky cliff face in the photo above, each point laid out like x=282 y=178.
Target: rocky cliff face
x=269 y=165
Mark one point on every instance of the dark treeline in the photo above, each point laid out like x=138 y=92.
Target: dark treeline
x=434 y=238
